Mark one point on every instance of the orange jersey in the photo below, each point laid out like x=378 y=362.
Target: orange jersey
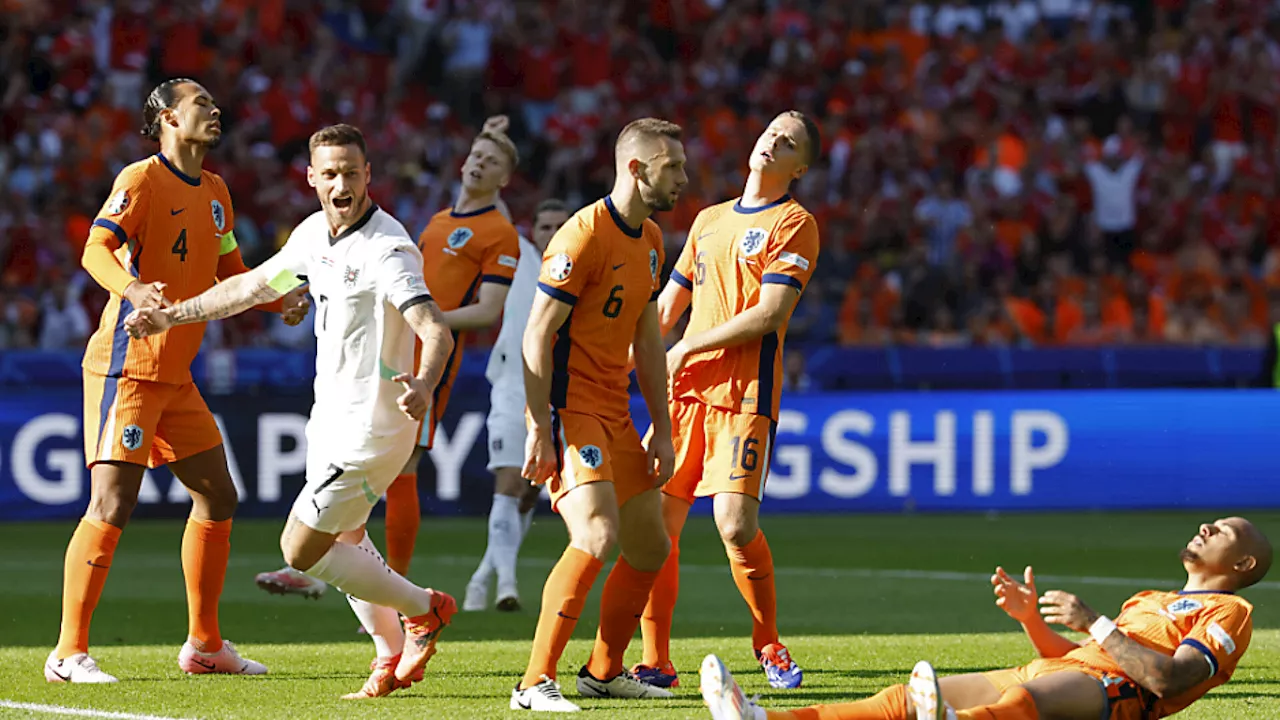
x=460 y=251
x=609 y=272
x=1217 y=624
x=732 y=251
x=162 y=226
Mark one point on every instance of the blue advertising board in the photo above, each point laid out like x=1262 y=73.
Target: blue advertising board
x=838 y=452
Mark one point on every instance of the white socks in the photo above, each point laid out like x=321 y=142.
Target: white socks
x=381 y=622
x=360 y=571
x=505 y=533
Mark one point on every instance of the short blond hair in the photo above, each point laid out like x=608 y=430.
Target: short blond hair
x=649 y=129
x=504 y=144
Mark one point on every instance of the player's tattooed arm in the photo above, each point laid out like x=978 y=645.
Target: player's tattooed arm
x=1161 y=674
x=428 y=324
x=229 y=297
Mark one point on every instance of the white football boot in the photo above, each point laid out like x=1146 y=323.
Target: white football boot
x=79 y=668
x=543 y=697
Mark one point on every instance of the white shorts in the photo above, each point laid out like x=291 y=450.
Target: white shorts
x=506 y=440
x=343 y=486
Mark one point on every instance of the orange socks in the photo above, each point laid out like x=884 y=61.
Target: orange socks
x=752 y=567
x=403 y=519
x=1015 y=704
x=206 y=545
x=563 y=597
x=655 y=625
x=625 y=593
x=84 y=573
x=889 y=704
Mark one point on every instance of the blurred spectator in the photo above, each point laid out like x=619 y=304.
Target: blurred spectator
x=995 y=171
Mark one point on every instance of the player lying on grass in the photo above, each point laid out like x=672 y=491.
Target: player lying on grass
x=1163 y=652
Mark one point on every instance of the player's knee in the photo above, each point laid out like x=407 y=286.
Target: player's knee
x=221 y=501
x=597 y=536
x=650 y=556
x=736 y=531
x=113 y=508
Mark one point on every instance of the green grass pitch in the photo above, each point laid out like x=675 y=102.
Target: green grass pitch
x=861 y=599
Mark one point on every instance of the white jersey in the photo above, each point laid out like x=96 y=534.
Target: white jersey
x=362 y=282
x=505 y=371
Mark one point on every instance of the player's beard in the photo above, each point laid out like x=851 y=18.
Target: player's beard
x=655 y=201
x=1187 y=555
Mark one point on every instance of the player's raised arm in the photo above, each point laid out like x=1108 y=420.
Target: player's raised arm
x=225 y=299
x=1018 y=600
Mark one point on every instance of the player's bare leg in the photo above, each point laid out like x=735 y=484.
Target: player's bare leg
x=349 y=562
x=590 y=513
x=656 y=668
x=206 y=546
x=642 y=537
x=738 y=519
x=113 y=495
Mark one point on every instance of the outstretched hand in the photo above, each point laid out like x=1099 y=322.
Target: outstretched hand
x=413 y=402
x=1017 y=599
x=295 y=307
x=146 y=322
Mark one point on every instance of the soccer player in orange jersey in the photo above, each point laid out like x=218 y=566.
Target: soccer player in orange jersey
x=596 y=297
x=469 y=253
x=165 y=234
x=742 y=271
x=1163 y=652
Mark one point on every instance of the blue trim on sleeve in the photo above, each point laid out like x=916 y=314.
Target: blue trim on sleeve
x=1213 y=660
x=558 y=294
x=120 y=234
x=193 y=182
x=741 y=209
x=500 y=280
x=681 y=280
x=780 y=279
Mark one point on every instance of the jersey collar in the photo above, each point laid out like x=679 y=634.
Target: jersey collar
x=738 y=207
x=617 y=220
x=1205 y=592
x=355 y=227
x=473 y=213
x=193 y=182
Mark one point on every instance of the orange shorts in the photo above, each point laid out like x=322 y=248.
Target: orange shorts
x=718 y=451
x=1124 y=700
x=593 y=449
x=144 y=423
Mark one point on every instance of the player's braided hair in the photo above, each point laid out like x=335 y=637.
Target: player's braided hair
x=163 y=97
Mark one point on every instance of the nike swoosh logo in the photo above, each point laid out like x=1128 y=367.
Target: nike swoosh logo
x=566 y=617
x=523 y=704
x=54 y=670
x=615 y=267
x=94 y=564
x=177 y=212
x=705 y=234
x=736 y=478
x=205 y=665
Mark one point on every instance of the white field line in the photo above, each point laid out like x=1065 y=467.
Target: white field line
x=79 y=712
x=263 y=561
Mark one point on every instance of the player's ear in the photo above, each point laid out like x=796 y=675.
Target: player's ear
x=311 y=176
x=1246 y=564
x=799 y=172
x=368 y=172
x=636 y=168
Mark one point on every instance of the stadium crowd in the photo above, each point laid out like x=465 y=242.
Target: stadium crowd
x=1038 y=172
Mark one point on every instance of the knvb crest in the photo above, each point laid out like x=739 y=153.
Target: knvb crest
x=591 y=456
x=350 y=277
x=459 y=237
x=219 y=215
x=753 y=241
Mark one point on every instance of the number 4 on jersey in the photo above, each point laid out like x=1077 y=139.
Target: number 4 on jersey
x=180 y=246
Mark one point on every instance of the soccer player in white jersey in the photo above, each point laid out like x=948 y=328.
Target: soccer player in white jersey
x=366 y=275
x=513 y=496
